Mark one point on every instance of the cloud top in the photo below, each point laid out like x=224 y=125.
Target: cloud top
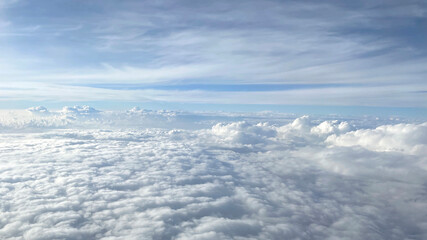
x=254 y=178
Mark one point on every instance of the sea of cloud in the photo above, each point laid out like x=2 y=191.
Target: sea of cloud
x=80 y=173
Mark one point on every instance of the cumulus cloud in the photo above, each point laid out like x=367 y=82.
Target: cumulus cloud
x=38 y=110
x=79 y=110
x=254 y=178
x=244 y=132
x=89 y=117
x=408 y=138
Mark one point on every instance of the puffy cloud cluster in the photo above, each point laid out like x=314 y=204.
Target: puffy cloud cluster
x=79 y=110
x=84 y=117
x=243 y=132
x=301 y=131
x=41 y=118
x=408 y=138
x=306 y=179
x=38 y=110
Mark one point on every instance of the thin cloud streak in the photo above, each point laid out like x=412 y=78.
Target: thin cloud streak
x=391 y=96
x=239 y=42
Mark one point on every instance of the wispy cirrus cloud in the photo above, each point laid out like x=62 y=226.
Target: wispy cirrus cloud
x=239 y=42
x=334 y=95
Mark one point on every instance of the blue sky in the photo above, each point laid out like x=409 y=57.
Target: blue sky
x=213 y=53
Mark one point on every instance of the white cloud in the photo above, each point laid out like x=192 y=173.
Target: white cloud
x=38 y=110
x=307 y=178
x=225 y=42
x=408 y=138
x=391 y=96
x=79 y=110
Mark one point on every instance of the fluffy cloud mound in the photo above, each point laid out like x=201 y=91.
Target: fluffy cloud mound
x=79 y=110
x=408 y=138
x=248 y=179
x=38 y=110
x=243 y=132
x=82 y=117
x=42 y=118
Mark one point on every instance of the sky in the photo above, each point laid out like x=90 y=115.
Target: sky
x=256 y=55
x=237 y=119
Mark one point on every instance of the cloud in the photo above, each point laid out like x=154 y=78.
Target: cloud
x=257 y=178
x=408 y=138
x=38 y=110
x=377 y=45
x=392 y=96
x=79 y=110
x=244 y=132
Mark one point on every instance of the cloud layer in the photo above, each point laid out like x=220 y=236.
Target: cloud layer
x=377 y=48
x=258 y=178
